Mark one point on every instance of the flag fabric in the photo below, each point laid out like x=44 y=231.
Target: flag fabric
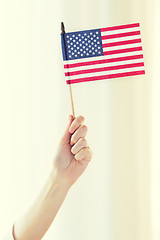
x=104 y=53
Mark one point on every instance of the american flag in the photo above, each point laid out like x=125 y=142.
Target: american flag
x=104 y=53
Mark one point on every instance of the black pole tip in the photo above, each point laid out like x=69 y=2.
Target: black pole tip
x=62 y=27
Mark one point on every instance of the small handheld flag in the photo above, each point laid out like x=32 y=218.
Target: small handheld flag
x=104 y=53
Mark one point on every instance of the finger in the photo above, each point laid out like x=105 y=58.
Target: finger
x=84 y=154
x=80 y=132
x=76 y=123
x=66 y=136
x=81 y=143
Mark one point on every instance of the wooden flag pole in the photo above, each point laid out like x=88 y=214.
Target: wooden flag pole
x=70 y=89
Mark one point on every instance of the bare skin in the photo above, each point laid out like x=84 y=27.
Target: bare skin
x=72 y=157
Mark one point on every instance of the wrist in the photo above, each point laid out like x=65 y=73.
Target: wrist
x=58 y=180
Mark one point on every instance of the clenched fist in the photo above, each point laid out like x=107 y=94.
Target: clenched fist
x=73 y=153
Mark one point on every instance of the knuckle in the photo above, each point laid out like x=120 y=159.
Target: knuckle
x=81 y=118
x=82 y=141
x=85 y=127
x=91 y=154
x=88 y=154
x=85 y=151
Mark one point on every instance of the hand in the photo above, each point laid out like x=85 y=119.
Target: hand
x=73 y=153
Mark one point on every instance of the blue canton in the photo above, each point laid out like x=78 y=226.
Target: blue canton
x=82 y=44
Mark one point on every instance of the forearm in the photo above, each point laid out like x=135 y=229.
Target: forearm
x=36 y=221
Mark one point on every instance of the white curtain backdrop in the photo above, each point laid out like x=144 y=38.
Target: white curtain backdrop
x=118 y=196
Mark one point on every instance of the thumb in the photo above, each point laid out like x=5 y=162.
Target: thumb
x=67 y=135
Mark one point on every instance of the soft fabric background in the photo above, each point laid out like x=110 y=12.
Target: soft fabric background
x=118 y=196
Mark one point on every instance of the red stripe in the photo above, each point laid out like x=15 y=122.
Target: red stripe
x=117 y=75
x=120 y=35
x=121 y=43
x=120 y=27
x=80 y=64
x=110 y=68
x=122 y=50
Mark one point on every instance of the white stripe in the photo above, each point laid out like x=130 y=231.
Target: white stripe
x=95 y=66
x=121 y=39
x=120 y=31
x=125 y=54
x=102 y=57
x=123 y=46
x=105 y=73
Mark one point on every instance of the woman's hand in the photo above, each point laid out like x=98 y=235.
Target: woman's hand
x=73 y=156
x=73 y=153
